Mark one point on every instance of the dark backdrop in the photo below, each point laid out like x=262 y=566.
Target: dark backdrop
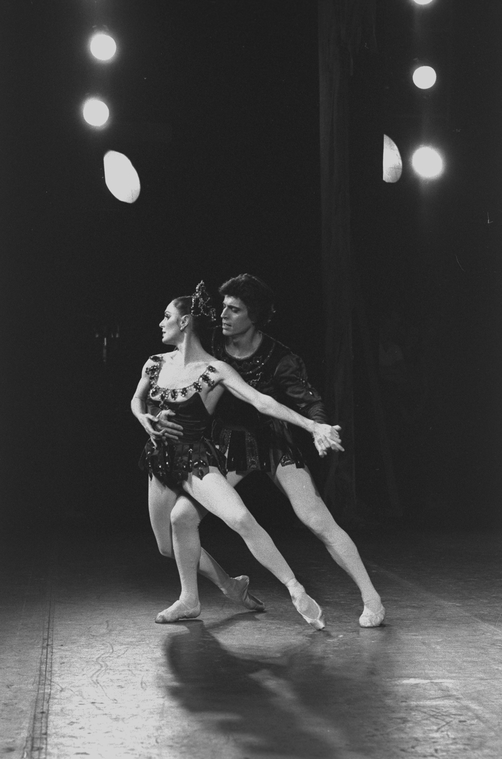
x=216 y=103
x=428 y=257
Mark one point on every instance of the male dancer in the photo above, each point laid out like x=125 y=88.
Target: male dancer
x=252 y=441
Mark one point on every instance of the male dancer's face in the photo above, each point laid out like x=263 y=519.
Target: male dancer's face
x=235 y=321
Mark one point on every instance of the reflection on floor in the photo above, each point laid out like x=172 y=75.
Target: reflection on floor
x=86 y=672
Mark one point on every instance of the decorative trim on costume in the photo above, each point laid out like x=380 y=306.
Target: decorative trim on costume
x=163 y=394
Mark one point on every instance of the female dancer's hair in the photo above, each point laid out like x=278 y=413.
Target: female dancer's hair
x=255 y=294
x=199 y=306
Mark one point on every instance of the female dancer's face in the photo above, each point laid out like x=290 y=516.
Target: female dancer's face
x=235 y=317
x=170 y=325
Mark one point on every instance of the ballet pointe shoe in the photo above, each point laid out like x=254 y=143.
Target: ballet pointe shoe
x=309 y=609
x=372 y=618
x=177 y=612
x=238 y=592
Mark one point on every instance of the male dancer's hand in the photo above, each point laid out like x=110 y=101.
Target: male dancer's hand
x=149 y=422
x=169 y=430
x=326 y=438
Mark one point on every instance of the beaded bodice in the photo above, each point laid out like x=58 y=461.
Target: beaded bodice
x=255 y=368
x=162 y=396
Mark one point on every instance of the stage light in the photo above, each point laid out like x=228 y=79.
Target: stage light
x=424 y=77
x=422 y=2
x=392 y=163
x=95 y=112
x=427 y=162
x=102 y=46
x=121 y=177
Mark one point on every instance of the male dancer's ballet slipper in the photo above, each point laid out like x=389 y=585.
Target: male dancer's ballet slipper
x=372 y=618
x=306 y=606
x=177 y=612
x=238 y=592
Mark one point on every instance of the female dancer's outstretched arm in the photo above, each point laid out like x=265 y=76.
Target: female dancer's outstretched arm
x=325 y=436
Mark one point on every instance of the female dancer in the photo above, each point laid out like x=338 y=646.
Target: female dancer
x=190 y=382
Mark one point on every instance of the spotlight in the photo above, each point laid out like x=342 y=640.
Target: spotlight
x=95 y=112
x=427 y=162
x=102 y=46
x=422 y=2
x=392 y=163
x=424 y=77
x=121 y=177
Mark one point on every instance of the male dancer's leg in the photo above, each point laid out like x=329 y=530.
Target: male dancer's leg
x=298 y=486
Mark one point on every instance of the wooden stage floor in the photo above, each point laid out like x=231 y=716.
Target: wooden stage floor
x=87 y=673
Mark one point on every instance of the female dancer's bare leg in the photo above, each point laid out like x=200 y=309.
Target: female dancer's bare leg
x=161 y=502
x=215 y=494
x=164 y=504
x=175 y=523
x=186 y=517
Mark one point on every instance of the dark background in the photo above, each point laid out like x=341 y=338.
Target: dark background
x=216 y=104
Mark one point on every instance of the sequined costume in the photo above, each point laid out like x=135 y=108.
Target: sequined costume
x=249 y=439
x=172 y=461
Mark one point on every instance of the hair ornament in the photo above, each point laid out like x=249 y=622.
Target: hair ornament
x=202 y=304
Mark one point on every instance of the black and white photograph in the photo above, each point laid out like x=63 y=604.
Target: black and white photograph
x=251 y=403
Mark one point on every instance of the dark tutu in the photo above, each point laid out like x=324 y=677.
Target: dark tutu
x=171 y=462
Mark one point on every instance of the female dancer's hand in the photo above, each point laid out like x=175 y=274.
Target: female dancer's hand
x=326 y=438
x=168 y=429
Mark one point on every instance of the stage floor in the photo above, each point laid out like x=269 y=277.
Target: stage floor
x=87 y=673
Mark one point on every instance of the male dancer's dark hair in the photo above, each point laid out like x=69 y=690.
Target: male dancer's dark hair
x=255 y=294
